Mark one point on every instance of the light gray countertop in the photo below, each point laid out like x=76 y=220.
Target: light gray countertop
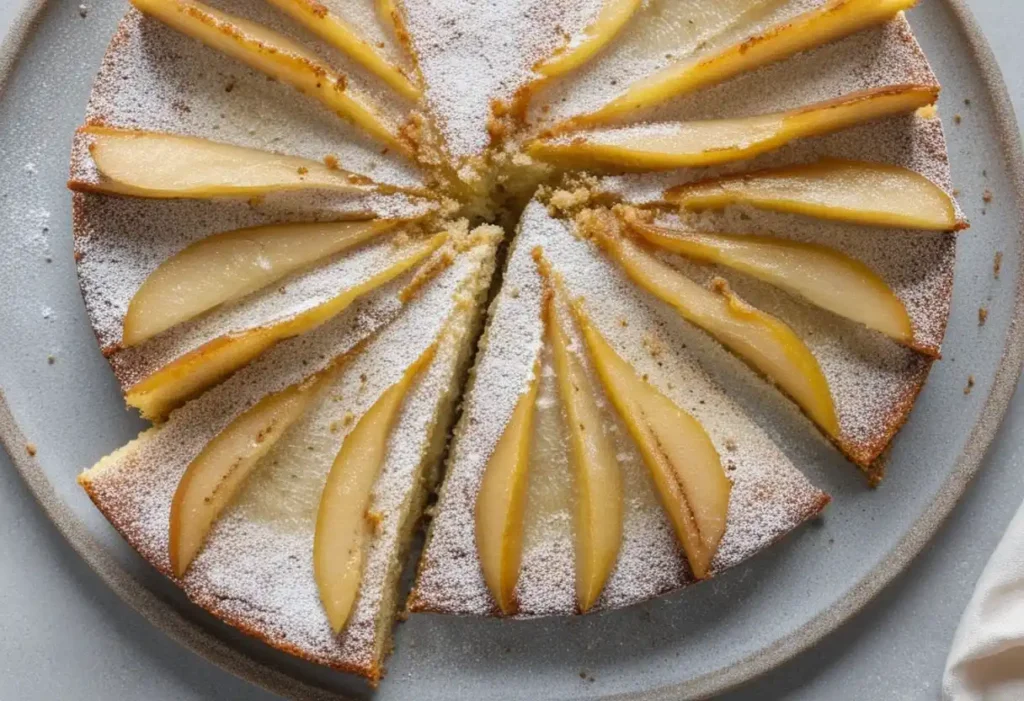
x=64 y=635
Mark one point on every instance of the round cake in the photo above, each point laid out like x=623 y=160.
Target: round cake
x=575 y=287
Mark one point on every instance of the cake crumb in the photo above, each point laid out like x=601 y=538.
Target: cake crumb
x=331 y=161
x=375 y=518
x=986 y=196
x=970 y=384
x=653 y=345
x=997 y=264
x=30 y=448
x=564 y=200
x=957 y=119
x=982 y=316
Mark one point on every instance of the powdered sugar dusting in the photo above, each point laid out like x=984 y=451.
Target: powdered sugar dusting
x=121 y=240
x=917 y=265
x=273 y=304
x=256 y=572
x=156 y=78
x=473 y=52
x=769 y=497
x=662 y=33
x=256 y=569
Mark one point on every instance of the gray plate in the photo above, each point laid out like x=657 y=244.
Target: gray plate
x=690 y=644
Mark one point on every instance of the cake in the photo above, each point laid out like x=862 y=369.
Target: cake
x=564 y=266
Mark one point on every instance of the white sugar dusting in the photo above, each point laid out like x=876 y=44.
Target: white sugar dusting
x=158 y=79
x=363 y=16
x=917 y=265
x=256 y=570
x=665 y=34
x=119 y=241
x=769 y=498
x=473 y=52
x=278 y=302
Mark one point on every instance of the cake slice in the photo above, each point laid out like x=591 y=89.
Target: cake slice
x=769 y=496
x=255 y=569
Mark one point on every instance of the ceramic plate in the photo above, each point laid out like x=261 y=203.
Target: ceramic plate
x=63 y=405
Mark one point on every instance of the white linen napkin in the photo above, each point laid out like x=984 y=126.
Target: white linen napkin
x=986 y=661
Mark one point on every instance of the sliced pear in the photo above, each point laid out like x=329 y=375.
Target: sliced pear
x=598 y=477
x=684 y=465
x=228 y=266
x=173 y=384
x=344 y=525
x=821 y=275
x=716 y=141
x=212 y=480
x=276 y=55
x=833 y=20
x=391 y=16
x=875 y=194
x=577 y=50
x=501 y=502
x=342 y=36
x=763 y=341
x=168 y=166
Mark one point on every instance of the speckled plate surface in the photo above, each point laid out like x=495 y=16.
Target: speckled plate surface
x=62 y=404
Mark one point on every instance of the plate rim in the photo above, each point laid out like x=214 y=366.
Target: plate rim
x=206 y=644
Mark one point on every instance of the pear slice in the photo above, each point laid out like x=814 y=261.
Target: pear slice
x=763 y=341
x=344 y=525
x=342 y=36
x=717 y=141
x=228 y=266
x=875 y=194
x=833 y=20
x=171 y=385
x=213 y=479
x=391 y=16
x=821 y=275
x=168 y=166
x=684 y=465
x=611 y=18
x=598 y=478
x=501 y=502
x=276 y=55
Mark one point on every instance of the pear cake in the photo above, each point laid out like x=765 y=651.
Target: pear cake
x=589 y=272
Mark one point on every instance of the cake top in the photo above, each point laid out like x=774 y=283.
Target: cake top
x=769 y=498
x=262 y=546
x=454 y=98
